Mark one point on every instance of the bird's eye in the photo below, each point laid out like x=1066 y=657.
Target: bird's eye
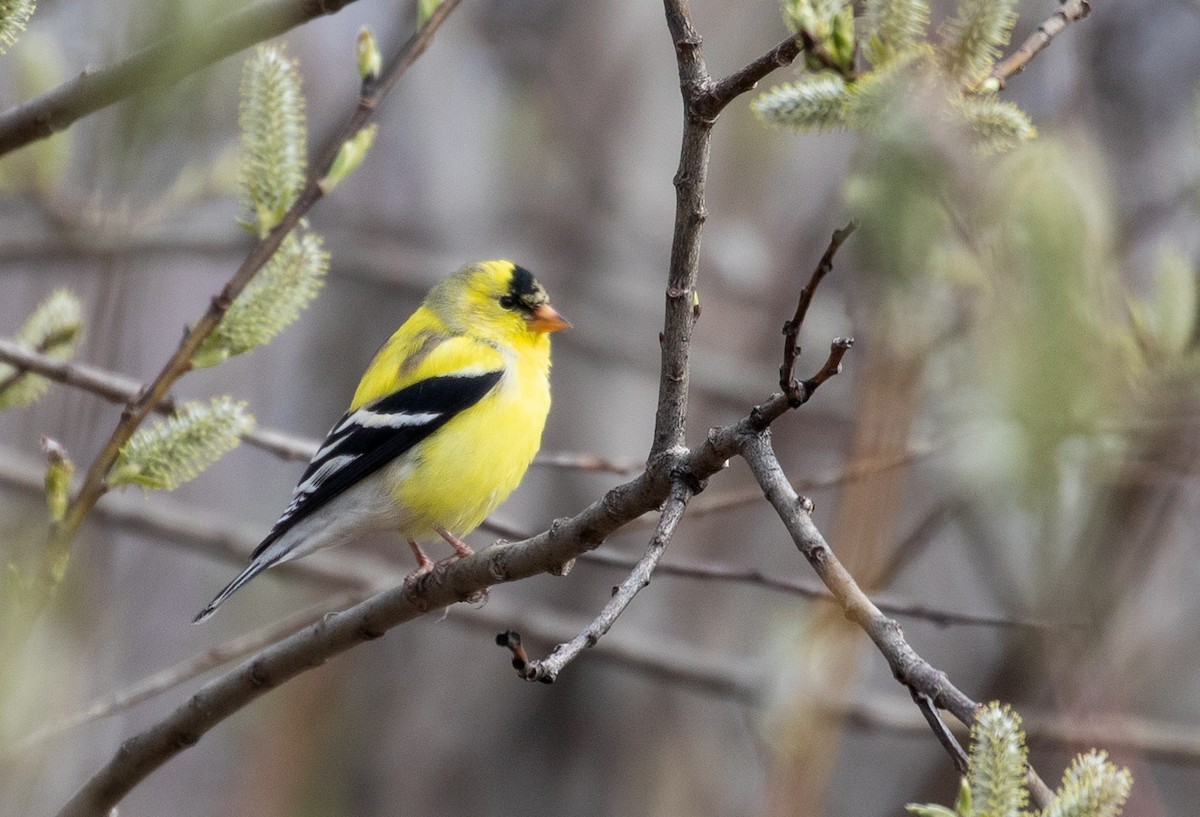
x=508 y=301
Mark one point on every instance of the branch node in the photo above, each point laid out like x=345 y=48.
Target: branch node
x=257 y=676
x=562 y=569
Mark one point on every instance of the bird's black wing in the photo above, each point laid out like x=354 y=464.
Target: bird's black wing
x=368 y=438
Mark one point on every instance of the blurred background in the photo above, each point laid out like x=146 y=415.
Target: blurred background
x=1014 y=435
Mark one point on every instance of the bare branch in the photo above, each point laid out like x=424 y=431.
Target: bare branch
x=720 y=94
x=791 y=329
x=547 y=669
x=715 y=571
x=934 y=719
x=158 y=66
x=670 y=420
x=1070 y=11
x=907 y=666
x=703 y=100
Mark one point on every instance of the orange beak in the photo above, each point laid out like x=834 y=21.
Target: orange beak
x=545 y=319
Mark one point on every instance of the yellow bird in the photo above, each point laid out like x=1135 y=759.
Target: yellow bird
x=442 y=427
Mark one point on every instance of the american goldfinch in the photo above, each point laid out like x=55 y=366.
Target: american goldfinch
x=442 y=427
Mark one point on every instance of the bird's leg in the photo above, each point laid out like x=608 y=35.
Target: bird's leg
x=424 y=566
x=424 y=563
x=461 y=549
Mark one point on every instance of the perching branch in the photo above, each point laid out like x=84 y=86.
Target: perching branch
x=157 y=66
x=212 y=535
x=711 y=102
x=1070 y=11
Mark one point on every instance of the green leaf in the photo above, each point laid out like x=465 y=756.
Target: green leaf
x=274 y=140
x=54 y=329
x=177 y=450
x=962 y=804
x=350 y=155
x=425 y=10
x=891 y=27
x=367 y=55
x=59 y=470
x=973 y=37
x=841 y=40
x=273 y=299
x=811 y=104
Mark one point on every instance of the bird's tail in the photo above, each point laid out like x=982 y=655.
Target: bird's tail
x=253 y=569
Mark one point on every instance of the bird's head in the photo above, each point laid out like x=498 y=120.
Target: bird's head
x=496 y=300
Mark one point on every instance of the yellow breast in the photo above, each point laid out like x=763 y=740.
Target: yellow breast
x=464 y=471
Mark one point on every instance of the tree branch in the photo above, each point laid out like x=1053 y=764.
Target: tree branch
x=712 y=101
x=715 y=571
x=909 y=668
x=703 y=101
x=1070 y=11
x=157 y=66
x=213 y=535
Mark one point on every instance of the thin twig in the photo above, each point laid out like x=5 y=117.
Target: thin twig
x=1168 y=742
x=803 y=391
x=716 y=571
x=1070 y=11
x=941 y=730
x=713 y=100
x=157 y=66
x=547 y=669
x=791 y=328
x=117 y=388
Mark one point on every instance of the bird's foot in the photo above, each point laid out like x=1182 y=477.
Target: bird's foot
x=461 y=549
